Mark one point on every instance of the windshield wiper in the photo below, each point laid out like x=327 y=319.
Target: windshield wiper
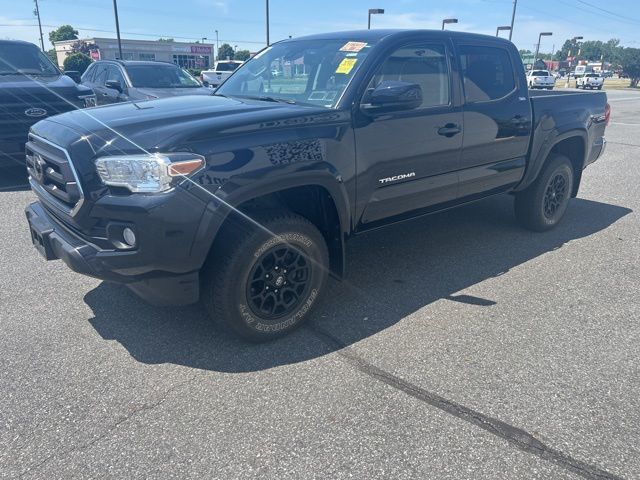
x=267 y=98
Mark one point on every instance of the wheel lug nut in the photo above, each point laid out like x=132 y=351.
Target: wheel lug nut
x=276 y=290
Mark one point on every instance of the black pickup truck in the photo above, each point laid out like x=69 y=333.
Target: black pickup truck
x=245 y=199
x=31 y=88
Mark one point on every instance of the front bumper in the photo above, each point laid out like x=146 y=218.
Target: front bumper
x=55 y=241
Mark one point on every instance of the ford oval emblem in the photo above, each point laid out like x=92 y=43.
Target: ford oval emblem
x=35 y=112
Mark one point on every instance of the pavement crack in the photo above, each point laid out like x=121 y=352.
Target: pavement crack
x=147 y=407
x=514 y=435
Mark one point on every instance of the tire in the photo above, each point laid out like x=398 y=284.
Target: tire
x=599 y=88
x=261 y=286
x=542 y=205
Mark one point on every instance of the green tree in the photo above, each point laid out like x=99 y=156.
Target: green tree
x=631 y=64
x=78 y=62
x=225 y=51
x=166 y=40
x=242 y=55
x=65 y=32
x=52 y=56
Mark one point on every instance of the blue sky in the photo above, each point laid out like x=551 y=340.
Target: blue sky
x=241 y=22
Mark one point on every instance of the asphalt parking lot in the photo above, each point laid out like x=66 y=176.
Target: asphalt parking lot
x=460 y=346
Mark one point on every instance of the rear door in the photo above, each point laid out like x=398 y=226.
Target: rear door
x=497 y=119
x=408 y=160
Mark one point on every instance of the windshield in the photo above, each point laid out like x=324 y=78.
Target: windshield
x=592 y=75
x=305 y=71
x=540 y=73
x=160 y=76
x=226 y=66
x=25 y=59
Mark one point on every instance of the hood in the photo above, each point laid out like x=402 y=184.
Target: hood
x=173 y=92
x=172 y=124
x=28 y=85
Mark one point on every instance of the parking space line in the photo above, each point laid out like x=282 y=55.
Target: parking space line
x=522 y=439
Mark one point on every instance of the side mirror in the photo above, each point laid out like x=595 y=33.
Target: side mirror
x=114 y=85
x=392 y=96
x=73 y=75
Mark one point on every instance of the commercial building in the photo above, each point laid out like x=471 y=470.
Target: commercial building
x=186 y=55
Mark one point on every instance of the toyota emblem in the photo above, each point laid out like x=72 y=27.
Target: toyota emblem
x=38 y=167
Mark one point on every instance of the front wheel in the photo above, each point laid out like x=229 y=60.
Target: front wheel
x=542 y=205
x=266 y=276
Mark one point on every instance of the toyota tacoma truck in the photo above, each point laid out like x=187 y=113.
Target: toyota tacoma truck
x=31 y=88
x=244 y=200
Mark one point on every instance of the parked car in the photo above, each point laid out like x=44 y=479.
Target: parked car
x=590 y=81
x=245 y=199
x=117 y=81
x=540 y=79
x=31 y=88
x=222 y=70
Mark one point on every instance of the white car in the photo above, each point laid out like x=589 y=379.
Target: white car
x=540 y=79
x=222 y=70
x=590 y=81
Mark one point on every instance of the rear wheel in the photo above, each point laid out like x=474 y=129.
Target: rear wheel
x=542 y=205
x=265 y=279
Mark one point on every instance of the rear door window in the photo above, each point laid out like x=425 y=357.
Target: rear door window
x=487 y=72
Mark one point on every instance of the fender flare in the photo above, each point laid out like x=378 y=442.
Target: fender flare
x=538 y=159
x=241 y=189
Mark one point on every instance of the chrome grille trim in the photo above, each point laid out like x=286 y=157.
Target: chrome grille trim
x=51 y=199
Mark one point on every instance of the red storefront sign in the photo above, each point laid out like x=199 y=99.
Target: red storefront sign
x=201 y=49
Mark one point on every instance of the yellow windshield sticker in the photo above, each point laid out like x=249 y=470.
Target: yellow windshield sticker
x=353 y=46
x=346 y=65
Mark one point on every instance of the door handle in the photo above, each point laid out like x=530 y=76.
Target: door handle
x=105 y=94
x=449 y=130
x=519 y=120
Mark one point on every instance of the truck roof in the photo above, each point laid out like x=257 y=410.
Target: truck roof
x=378 y=34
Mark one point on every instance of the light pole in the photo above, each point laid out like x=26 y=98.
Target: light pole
x=513 y=17
x=542 y=34
x=448 y=20
x=217 y=47
x=115 y=11
x=500 y=29
x=36 y=12
x=373 y=11
x=268 y=43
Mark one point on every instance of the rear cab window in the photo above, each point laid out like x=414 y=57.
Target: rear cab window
x=487 y=73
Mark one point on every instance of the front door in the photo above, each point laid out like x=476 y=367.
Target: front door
x=407 y=161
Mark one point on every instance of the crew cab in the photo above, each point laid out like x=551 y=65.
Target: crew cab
x=31 y=88
x=222 y=70
x=245 y=199
x=590 y=81
x=540 y=79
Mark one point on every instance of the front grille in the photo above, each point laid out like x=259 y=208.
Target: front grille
x=15 y=123
x=52 y=175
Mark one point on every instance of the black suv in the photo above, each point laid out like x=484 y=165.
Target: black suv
x=123 y=81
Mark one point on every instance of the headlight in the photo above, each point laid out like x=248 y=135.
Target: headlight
x=89 y=100
x=151 y=173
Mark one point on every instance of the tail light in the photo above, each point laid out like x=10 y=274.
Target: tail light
x=607 y=115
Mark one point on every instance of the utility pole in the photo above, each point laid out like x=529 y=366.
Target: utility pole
x=37 y=14
x=268 y=43
x=513 y=17
x=217 y=48
x=115 y=11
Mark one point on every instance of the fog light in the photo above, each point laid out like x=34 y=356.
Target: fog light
x=129 y=237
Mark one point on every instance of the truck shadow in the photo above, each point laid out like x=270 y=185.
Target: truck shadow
x=391 y=273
